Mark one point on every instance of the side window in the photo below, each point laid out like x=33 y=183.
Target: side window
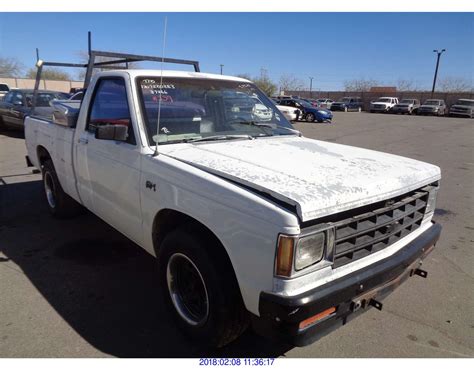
x=8 y=97
x=17 y=98
x=110 y=106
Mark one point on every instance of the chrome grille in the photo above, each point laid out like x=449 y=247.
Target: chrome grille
x=378 y=228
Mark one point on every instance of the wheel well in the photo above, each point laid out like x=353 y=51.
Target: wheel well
x=168 y=220
x=43 y=154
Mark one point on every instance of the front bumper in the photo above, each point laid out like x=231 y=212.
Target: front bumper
x=352 y=294
x=382 y=110
x=427 y=111
x=460 y=113
x=337 y=107
x=323 y=117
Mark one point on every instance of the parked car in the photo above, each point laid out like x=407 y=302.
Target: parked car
x=462 y=107
x=347 y=104
x=4 y=89
x=16 y=105
x=309 y=112
x=406 y=106
x=383 y=104
x=325 y=103
x=434 y=107
x=251 y=223
x=77 y=95
x=291 y=113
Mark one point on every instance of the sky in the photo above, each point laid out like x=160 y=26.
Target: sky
x=331 y=47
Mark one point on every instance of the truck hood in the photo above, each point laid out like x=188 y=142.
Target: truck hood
x=318 y=178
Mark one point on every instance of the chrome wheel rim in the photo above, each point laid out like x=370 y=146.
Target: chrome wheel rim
x=187 y=290
x=49 y=189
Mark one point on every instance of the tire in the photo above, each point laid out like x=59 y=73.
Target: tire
x=212 y=314
x=372 y=111
x=309 y=117
x=59 y=203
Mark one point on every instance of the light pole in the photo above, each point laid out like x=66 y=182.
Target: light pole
x=221 y=67
x=436 y=70
x=311 y=87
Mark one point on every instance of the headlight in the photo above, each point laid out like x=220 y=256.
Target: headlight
x=309 y=250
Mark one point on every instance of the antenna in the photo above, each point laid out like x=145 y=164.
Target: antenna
x=160 y=89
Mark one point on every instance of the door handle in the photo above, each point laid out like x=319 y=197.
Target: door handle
x=83 y=140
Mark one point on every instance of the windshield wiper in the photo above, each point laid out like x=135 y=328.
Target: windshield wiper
x=218 y=138
x=265 y=127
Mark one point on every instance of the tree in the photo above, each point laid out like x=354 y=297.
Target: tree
x=404 y=85
x=266 y=85
x=360 y=85
x=49 y=74
x=10 y=67
x=263 y=82
x=455 y=84
x=289 y=82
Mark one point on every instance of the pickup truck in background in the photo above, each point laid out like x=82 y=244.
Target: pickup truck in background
x=383 y=104
x=250 y=222
x=4 y=89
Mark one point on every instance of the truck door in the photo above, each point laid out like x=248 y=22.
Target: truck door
x=108 y=171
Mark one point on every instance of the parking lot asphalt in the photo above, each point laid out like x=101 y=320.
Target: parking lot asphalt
x=78 y=288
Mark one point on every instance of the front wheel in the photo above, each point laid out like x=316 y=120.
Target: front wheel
x=200 y=289
x=309 y=117
x=60 y=204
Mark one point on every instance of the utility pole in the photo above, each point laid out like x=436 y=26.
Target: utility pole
x=311 y=87
x=221 y=67
x=436 y=70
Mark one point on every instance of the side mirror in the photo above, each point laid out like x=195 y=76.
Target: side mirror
x=111 y=132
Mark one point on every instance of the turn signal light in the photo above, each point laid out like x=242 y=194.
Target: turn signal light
x=284 y=261
x=317 y=317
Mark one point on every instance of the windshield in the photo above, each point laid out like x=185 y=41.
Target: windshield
x=407 y=101
x=195 y=108
x=4 y=88
x=305 y=103
x=469 y=103
x=432 y=102
x=345 y=100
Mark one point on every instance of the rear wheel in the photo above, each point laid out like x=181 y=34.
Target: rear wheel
x=200 y=289
x=60 y=204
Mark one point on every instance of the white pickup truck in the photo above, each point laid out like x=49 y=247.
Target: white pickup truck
x=251 y=222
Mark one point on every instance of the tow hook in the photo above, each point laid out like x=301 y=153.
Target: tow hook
x=420 y=272
x=376 y=304
x=357 y=304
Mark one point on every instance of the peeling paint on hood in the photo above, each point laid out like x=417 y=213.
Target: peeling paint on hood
x=319 y=178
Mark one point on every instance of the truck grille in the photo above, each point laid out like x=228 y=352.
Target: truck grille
x=375 y=229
